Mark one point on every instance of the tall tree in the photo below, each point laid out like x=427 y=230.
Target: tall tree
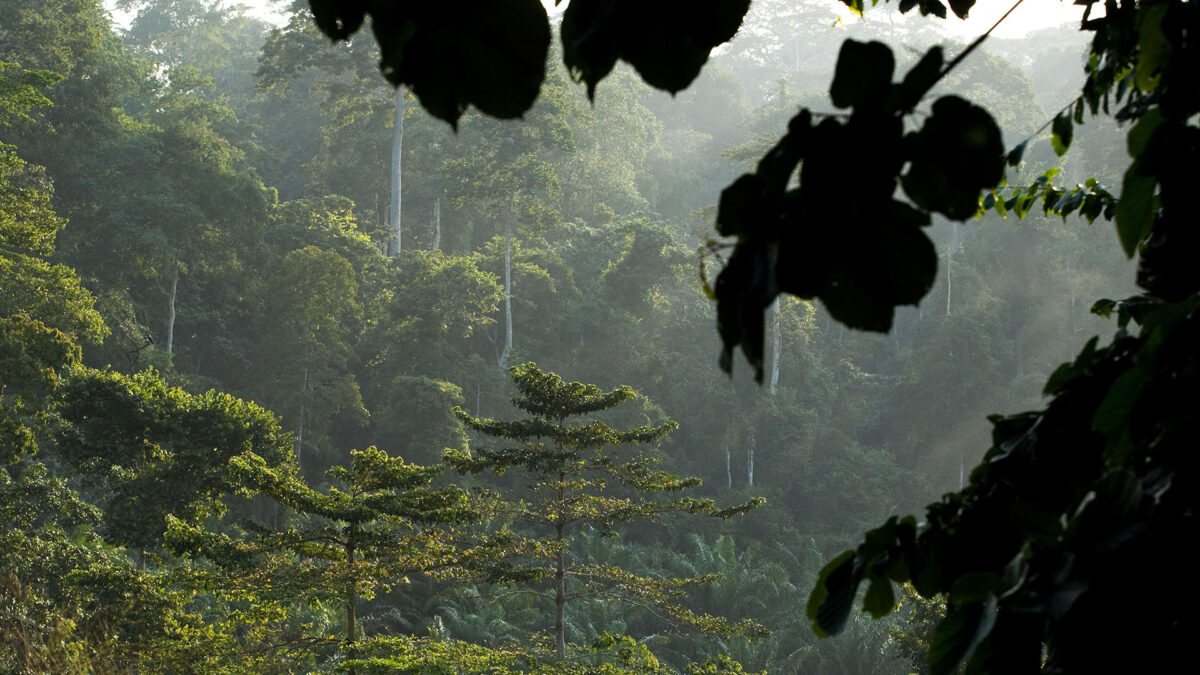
x=380 y=521
x=571 y=463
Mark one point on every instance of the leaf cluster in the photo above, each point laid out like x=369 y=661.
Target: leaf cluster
x=840 y=234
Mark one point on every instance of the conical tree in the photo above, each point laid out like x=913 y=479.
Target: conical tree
x=381 y=519
x=578 y=480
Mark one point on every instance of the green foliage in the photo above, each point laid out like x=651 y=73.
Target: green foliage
x=154 y=450
x=21 y=92
x=380 y=521
x=1090 y=199
x=155 y=151
x=571 y=467
x=1074 y=501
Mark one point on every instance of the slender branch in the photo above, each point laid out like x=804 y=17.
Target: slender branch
x=1046 y=125
x=974 y=45
x=517 y=591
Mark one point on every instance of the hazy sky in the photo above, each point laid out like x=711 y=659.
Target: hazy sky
x=1031 y=15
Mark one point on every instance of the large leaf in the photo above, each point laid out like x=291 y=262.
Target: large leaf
x=832 y=599
x=880 y=598
x=918 y=81
x=958 y=153
x=863 y=76
x=877 y=269
x=1061 y=132
x=961 y=7
x=953 y=637
x=451 y=54
x=1135 y=209
x=667 y=41
x=1153 y=46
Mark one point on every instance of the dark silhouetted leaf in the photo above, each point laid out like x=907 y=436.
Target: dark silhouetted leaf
x=890 y=265
x=958 y=153
x=1014 y=156
x=738 y=209
x=934 y=7
x=1061 y=132
x=961 y=7
x=667 y=41
x=953 y=637
x=832 y=599
x=1153 y=46
x=452 y=56
x=864 y=74
x=338 y=19
x=744 y=289
x=880 y=598
x=919 y=80
x=1135 y=208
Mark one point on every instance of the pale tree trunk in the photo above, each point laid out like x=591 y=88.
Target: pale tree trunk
x=171 y=312
x=508 y=322
x=728 y=468
x=750 y=460
x=397 y=150
x=949 y=258
x=948 y=285
x=351 y=600
x=560 y=584
x=300 y=430
x=776 y=345
x=437 y=224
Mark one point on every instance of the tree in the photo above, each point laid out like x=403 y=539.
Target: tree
x=73 y=602
x=152 y=450
x=358 y=108
x=378 y=523
x=571 y=466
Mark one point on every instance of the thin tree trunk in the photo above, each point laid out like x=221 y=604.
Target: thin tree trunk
x=300 y=431
x=949 y=258
x=728 y=468
x=397 y=150
x=560 y=582
x=171 y=312
x=437 y=224
x=351 y=598
x=508 y=323
x=776 y=345
x=948 y=285
x=750 y=460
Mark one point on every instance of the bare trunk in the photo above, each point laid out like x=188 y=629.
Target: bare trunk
x=171 y=312
x=437 y=224
x=508 y=323
x=949 y=258
x=948 y=285
x=560 y=582
x=300 y=430
x=397 y=150
x=728 y=468
x=351 y=599
x=750 y=460
x=776 y=346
